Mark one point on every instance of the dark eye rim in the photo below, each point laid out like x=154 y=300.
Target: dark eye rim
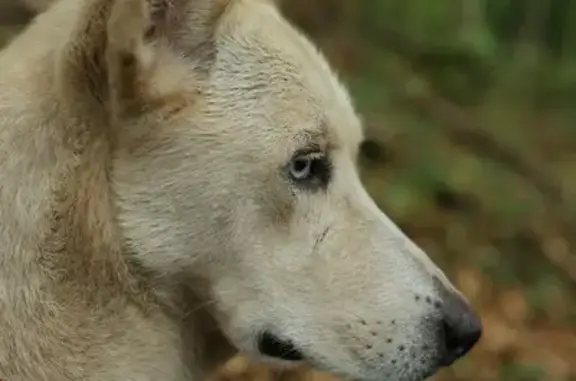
x=300 y=161
x=320 y=169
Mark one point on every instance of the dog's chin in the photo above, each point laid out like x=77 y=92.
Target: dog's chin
x=397 y=375
x=275 y=350
x=398 y=372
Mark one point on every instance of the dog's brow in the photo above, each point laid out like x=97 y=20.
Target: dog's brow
x=314 y=139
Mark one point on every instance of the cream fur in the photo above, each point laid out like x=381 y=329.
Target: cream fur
x=148 y=231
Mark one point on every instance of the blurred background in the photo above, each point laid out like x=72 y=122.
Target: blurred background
x=470 y=111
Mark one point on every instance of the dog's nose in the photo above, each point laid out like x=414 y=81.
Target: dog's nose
x=462 y=328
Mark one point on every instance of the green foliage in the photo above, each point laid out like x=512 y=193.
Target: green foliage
x=523 y=372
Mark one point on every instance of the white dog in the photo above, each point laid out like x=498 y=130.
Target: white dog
x=178 y=181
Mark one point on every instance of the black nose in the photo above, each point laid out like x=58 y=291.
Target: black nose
x=272 y=346
x=461 y=327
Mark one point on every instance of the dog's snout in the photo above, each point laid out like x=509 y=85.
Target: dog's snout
x=461 y=328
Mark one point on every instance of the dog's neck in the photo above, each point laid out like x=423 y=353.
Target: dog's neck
x=211 y=348
x=77 y=254
x=177 y=297
x=63 y=261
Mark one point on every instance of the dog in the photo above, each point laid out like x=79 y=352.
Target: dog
x=178 y=183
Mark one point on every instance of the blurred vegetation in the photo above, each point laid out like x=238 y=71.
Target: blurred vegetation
x=470 y=119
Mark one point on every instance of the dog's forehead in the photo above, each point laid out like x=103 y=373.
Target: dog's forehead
x=292 y=66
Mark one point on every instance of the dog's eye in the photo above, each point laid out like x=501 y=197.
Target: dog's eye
x=301 y=168
x=310 y=169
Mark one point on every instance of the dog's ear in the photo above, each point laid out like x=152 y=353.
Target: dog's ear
x=108 y=59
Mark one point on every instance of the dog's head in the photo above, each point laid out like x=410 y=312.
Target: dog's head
x=235 y=149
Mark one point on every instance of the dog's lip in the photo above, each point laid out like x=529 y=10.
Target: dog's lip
x=295 y=356
x=274 y=346
x=422 y=377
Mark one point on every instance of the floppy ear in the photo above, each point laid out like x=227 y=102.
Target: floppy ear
x=111 y=51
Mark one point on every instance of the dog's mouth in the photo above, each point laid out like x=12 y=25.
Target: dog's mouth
x=272 y=346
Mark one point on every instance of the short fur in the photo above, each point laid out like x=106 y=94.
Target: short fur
x=149 y=228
